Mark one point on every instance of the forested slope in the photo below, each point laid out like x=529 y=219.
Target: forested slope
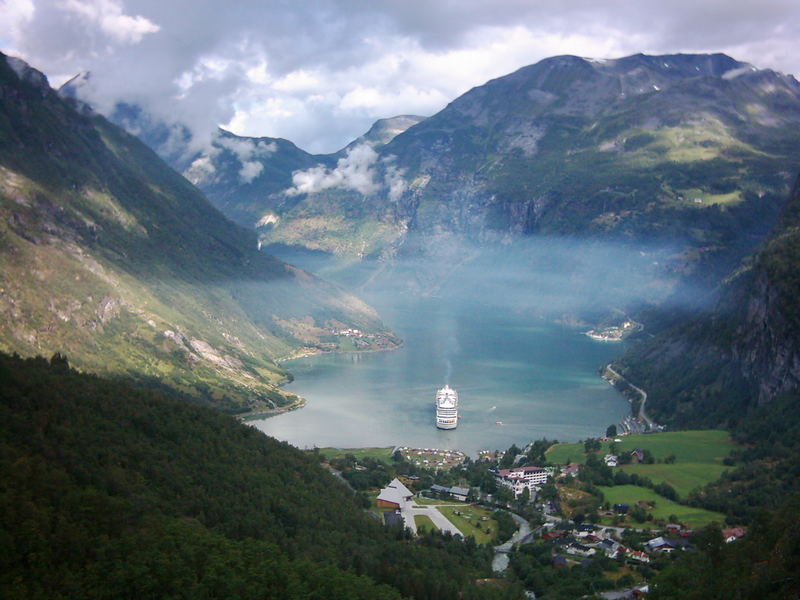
x=714 y=368
x=108 y=491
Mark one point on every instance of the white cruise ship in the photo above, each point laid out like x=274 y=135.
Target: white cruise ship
x=446 y=408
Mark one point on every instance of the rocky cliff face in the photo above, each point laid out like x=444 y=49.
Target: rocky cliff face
x=746 y=351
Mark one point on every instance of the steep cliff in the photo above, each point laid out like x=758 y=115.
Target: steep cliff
x=746 y=351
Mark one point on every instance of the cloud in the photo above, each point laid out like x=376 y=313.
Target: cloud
x=320 y=73
x=107 y=15
x=249 y=171
x=353 y=172
x=393 y=179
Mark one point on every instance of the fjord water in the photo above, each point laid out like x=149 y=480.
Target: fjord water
x=519 y=378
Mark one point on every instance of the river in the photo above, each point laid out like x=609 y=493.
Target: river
x=518 y=378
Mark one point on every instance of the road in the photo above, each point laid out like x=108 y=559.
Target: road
x=642 y=414
x=500 y=561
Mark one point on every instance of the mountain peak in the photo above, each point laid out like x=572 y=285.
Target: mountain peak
x=384 y=131
x=27 y=73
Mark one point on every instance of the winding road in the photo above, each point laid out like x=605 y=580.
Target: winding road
x=642 y=414
x=500 y=561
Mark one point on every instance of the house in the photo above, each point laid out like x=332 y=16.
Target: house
x=457 y=493
x=732 y=534
x=621 y=508
x=638 y=556
x=552 y=535
x=659 y=544
x=637 y=455
x=611 y=460
x=579 y=550
x=394 y=495
x=609 y=547
x=519 y=478
x=673 y=527
x=571 y=469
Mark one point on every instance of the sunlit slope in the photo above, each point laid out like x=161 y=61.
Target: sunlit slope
x=112 y=258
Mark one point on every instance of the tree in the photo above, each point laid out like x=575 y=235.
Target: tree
x=611 y=431
x=525 y=496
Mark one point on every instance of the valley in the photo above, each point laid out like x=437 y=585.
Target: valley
x=217 y=375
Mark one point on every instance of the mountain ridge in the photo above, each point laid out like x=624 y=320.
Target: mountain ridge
x=112 y=258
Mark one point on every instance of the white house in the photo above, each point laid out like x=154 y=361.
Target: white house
x=610 y=460
x=520 y=478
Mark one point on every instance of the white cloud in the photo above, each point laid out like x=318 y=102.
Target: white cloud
x=247 y=152
x=353 y=172
x=108 y=15
x=249 y=171
x=320 y=73
x=395 y=184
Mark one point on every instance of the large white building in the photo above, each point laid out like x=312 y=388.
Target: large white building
x=520 y=478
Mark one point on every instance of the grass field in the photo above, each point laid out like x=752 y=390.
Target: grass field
x=384 y=454
x=424 y=524
x=631 y=494
x=469 y=520
x=698 y=456
x=683 y=477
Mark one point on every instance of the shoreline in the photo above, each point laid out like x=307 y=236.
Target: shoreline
x=317 y=351
x=258 y=415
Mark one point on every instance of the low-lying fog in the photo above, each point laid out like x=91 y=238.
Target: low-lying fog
x=504 y=326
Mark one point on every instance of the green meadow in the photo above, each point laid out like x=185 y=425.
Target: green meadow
x=698 y=456
x=384 y=454
x=663 y=509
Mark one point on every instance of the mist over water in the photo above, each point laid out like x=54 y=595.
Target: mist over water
x=503 y=326
x=517 y=380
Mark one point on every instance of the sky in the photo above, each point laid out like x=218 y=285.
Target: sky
x=319 y=73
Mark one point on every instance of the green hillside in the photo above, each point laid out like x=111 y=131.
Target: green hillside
x=110 y=491
x=109 y=256
x=698 y=457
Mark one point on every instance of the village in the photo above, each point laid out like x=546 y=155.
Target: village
x=542 y=515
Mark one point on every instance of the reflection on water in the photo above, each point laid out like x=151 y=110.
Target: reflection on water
x=537 y=379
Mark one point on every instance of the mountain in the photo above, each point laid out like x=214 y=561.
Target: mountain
x=383 y=131
x=694 y=148
x=112 y=258
x=715 y=368
x=115 y=492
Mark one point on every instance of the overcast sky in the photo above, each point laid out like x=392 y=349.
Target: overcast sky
x=320 y=72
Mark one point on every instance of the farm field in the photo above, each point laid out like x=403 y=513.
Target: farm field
x=663 y=509
x=697 y=446
x=698 y=456
x=683 y=477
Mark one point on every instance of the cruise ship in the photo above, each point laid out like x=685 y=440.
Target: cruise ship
x=446 y=408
